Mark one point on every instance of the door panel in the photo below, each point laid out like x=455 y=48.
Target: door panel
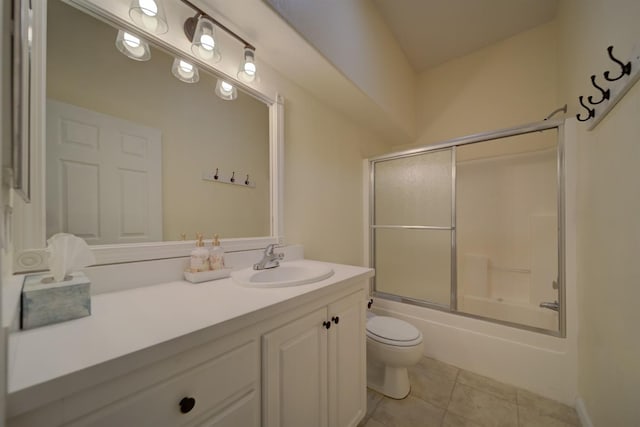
x=295 y=373
x=347 y=367
x=104 y=176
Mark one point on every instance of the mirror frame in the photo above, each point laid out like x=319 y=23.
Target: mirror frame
x=20 y=129
x=29 y=219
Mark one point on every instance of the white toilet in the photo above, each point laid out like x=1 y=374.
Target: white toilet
x=393 y=345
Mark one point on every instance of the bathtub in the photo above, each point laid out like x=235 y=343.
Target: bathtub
x=509 y=311
x=541 y=363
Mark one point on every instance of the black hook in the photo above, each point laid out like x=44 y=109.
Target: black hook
x=216 y=175
x=233 y=177
x=605 y=93
x=626 y=68
x=592 y=111
x=246 y=181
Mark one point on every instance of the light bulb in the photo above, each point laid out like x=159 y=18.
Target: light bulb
x=226 y=88
x=205 y=48
x=207 y=42
x=204 y=44
x=131 y=40
x=250 y=68
x=150 y=15
x=132 y=46
x=185 y=66
x=149 y=7
x=185 y=69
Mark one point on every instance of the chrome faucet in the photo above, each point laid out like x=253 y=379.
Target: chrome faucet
x=551 y=305
x=270 y=259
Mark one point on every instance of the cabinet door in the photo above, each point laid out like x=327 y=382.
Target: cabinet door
x=295 y=373
x=347 y=361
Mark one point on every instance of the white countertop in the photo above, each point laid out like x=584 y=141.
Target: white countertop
x=127 y=321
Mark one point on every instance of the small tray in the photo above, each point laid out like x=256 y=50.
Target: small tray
x=205 y=276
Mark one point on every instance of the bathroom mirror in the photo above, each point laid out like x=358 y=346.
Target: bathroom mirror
x=137 y=160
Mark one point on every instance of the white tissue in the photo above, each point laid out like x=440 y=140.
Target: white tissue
x=67 y=253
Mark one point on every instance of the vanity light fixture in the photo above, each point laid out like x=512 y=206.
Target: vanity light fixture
x=226 y=90
x=133 y=46
x=185 y=71
x=150 y=15
x=199 y=30
x=247 y=72
x=203 y=42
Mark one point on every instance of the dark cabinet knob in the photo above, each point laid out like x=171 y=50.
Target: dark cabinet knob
x=187 y=404
x=370 y=303
x=335 y=319
x=326 y=324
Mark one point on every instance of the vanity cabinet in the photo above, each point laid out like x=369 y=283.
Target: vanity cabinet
x=220 y=387
x=223 y=391
x=314 y=368
x=298 y=363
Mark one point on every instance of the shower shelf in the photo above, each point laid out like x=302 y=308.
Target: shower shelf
x=510 y=269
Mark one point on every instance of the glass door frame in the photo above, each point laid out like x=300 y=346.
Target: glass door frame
x=452 y=144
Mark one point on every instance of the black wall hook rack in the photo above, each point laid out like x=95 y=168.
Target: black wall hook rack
x=218 y=176
x=596 y=110
x=605 y=93
x=626 y=68
x=591 y=112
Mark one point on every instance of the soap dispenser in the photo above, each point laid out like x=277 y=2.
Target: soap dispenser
x=199 y=256
x=216 y=255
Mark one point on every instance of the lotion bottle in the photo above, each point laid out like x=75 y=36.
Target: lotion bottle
x=199 y=257
x=216 y=255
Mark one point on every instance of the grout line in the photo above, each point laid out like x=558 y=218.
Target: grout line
x=375 y=407
x=482 y=390
x=455 y=383
x=485 y=391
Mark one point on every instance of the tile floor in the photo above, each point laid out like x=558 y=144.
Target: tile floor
x=445 y=396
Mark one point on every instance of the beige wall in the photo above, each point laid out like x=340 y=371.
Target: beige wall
x=608 y=212
x=353 y=36
x=200 y=132
x=323 y=178
x=506 y=84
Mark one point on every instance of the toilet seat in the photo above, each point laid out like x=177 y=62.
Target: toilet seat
x=391 y=331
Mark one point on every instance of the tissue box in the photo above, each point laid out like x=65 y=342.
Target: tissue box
x=54 y=302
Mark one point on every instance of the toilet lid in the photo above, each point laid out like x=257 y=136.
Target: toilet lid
x=383 y=328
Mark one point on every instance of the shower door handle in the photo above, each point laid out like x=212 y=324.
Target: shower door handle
x=551 y=305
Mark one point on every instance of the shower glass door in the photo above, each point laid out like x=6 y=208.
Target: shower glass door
x=413 y=225
x=507 y=240
x=473 y=226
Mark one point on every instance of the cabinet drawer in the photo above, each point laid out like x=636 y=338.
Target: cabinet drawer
x=215 y=385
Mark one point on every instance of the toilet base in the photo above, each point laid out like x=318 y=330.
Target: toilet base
x=391 y=381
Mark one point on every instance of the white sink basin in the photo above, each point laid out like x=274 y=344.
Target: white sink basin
x=290 y=273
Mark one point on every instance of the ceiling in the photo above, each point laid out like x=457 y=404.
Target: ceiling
x=431 y=32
